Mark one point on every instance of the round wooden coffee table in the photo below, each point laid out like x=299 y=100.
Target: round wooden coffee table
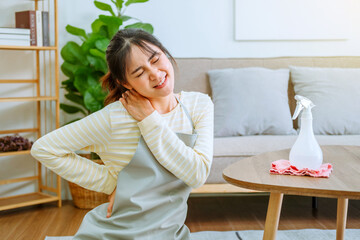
x=343 y=183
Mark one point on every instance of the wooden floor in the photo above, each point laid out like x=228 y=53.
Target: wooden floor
x=204 y=214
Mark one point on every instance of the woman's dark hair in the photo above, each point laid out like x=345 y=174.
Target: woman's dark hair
x=117 y=56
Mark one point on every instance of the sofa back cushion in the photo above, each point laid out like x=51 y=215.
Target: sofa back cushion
x=250 y=101
x=191 y=73
x=336 y=95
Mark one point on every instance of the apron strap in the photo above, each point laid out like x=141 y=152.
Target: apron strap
x=187 y=114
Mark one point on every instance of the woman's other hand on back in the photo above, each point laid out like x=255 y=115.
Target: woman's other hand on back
x=111 y=203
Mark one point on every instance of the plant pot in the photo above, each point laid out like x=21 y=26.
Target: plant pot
x=84 y=198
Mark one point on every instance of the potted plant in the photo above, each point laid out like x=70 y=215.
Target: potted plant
x=84 y=65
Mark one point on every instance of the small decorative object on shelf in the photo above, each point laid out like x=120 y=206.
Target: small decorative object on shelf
x=14 y=143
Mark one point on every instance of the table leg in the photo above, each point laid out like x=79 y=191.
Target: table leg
x=272 y=216
x=342 y=208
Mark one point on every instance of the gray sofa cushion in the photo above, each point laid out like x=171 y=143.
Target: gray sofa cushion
x=250 y=101
x=336 y=95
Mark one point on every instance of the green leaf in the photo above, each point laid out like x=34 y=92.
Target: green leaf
x=94 y=98
x=69 y=85
x=119 y=4
x=95 y=52
x=145 y=26
x=91 y=103
x=99 y=93
x=104 y=7
x=69 y=69
x=72 y=53
x=84 y=79
x=97 y=63
x=76 y=31
x=90 y=43
x=113 y=24
x=81 y=83
x=134 y=1
x=71 y=109
x=102 y=44
x=124 y=18
x=99 y=27
x=75 y=98
x=67 y=82
x=93 y=81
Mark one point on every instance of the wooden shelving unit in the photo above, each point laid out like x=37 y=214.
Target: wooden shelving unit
x=27 y=99
x=47 y=115
x=27 y=48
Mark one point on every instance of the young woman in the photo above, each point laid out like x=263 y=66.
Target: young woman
x=156 y=145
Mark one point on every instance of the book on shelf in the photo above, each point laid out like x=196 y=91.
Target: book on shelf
x=27 y=19
x=17 y=31
x=15 y=42
x=38 y=23
x=39 y=33
x=45 y=28
x=15 y=36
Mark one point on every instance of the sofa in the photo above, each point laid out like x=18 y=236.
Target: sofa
x=192 y=74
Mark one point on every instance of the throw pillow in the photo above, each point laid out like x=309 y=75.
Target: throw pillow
x=336 y=94
x=250 y=101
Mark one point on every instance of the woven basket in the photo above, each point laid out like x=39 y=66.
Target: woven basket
x=87 y=199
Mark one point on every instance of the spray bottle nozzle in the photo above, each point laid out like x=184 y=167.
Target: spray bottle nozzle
x=301 y=103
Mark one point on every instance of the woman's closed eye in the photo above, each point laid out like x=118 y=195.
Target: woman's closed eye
x=155 y=61
x=140 y=74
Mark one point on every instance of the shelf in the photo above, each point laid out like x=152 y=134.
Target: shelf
x=2 y=154
x=25 y=200
x=19 y=81
x=5 y=47
x=15 y=180
x=19 y=130
x=26 y=99
x=44 y=63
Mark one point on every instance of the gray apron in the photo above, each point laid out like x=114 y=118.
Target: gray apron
x=150 y=202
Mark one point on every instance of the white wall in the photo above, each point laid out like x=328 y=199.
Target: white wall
x=188 y=28
x=205 y=28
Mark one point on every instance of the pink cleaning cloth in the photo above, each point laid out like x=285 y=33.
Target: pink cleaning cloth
x=284 y=167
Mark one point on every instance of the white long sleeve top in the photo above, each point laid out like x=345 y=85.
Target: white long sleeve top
x=114 y=135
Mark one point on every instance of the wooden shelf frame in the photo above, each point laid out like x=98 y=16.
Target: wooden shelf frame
x=16 y=180
x=24 y=200
x=19 y=130
x=29 y=48
x=18 y=81
x=46 y=97
x=28 y=99
x=3 y=154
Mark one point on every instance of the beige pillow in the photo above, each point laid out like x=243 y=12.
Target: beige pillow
x=250 y=101
x=336 y=94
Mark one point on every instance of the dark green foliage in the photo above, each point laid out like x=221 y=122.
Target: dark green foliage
x=85 y=64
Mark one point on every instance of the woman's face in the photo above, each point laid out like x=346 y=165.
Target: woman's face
x=151 y=75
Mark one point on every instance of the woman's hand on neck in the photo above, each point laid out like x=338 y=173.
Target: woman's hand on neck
x=137 y=105
x=140 y=107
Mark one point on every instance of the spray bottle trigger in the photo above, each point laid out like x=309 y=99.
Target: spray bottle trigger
x=298 y=109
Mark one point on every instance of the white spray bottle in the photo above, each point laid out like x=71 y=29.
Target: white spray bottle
x=306 y=152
